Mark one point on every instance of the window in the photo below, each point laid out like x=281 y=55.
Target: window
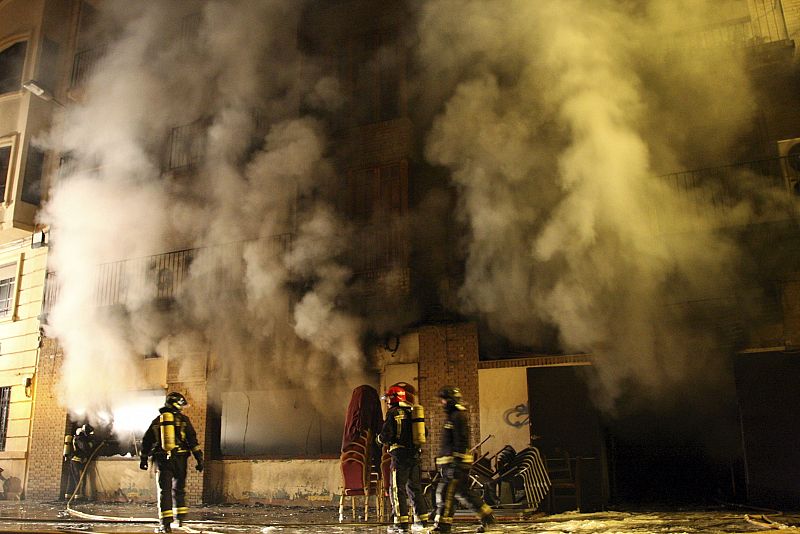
x=8 y=277
x=47 y=71
x=12 y=59
x=32 y=183
x=5 y=402
x=377 y=192
x=5 y=165
x=84 y=63
x=373 y=67
x=279 y=423
x=377 y=197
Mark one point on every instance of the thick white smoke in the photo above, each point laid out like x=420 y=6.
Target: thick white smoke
x=231 y=69
x=558 y=117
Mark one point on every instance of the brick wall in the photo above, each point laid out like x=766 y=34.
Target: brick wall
x=380 y=142
x=43 y=481
x=448 y=355
x=197 y=411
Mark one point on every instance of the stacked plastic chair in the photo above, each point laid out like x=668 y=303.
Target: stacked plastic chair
x=359 y=479
x=360 y=458
x=526 y=471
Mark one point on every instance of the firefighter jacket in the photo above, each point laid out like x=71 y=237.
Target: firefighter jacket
x=396 y=432
x=455 y=437
x=83 y=445
x=185 y=436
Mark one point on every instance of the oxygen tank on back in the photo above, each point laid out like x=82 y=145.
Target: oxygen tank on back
x=68 y=448
x=168 y=432
x=418 y=424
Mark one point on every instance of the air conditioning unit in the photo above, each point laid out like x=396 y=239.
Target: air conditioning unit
x=789 y=151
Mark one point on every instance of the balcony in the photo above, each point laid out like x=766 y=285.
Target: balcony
x=764 y=29
x=714 y=193
x=162 y=278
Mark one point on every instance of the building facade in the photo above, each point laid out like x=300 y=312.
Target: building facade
x=378 y=181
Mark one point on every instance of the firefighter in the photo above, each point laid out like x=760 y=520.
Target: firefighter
x=169 y=440
x=403 y=434
x=78 y=452
x=454 y=462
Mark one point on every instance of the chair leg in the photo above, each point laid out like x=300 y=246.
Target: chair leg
x=353 y=507
x=366 y=506
x=341 y=507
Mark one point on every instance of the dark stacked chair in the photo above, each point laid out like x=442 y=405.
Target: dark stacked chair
x=523 y=472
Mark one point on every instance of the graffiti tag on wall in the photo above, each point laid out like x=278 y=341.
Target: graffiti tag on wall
x=517 y=416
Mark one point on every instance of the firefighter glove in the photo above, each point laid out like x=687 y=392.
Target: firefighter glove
x=143 y=463
x=198 y=456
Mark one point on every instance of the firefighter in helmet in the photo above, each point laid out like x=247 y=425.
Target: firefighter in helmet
x=169 y=440
x=78 y=451
x=403 y=433
x=454 y=462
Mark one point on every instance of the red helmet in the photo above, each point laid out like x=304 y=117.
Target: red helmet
x=395 y=394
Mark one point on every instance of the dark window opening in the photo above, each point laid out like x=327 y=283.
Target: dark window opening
x=12 y=60
x=5 y=165
x=373 y=69
x=377 y=197
x=32 y=182
x=47 y=71
x=5 y=402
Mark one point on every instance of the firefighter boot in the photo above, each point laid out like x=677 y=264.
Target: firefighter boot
x=441 y=528
x=399 y=528
x=164 y=527
x=488 y=524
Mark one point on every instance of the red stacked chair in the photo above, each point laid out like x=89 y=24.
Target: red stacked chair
x=358 y=478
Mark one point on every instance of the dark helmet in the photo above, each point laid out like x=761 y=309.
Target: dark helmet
x=175 y=400
x=451 y=394
x=88 y=429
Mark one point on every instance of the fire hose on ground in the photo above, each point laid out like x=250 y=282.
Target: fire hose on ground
x=95 y=518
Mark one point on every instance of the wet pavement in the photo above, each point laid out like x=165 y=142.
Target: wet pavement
x=30 y=517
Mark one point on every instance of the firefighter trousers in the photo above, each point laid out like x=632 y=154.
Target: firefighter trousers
x=76 y=468
x=454 y=485
x=407 y=486
x=171 y=481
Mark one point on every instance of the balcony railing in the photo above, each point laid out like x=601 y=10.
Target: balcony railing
x=162 y=277
x=186 y=145
x=766 y=24
x=83 y=65
x=714 y=192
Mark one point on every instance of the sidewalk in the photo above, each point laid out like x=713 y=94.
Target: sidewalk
x=28 y=517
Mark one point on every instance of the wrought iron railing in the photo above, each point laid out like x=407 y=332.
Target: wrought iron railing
x=714 y=192
x=84 y=63
x=164 y=276
x=186 y=145
x=766 y=24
